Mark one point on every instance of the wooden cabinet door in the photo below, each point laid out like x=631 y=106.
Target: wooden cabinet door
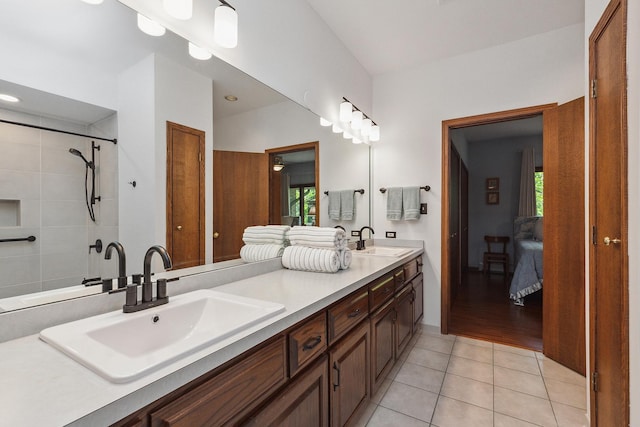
x=404 y=320
x=349 y=390
x=382 y=356
x=305 y=402
x=418 y=302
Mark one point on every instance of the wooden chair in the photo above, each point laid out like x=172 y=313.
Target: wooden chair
x=496 y=254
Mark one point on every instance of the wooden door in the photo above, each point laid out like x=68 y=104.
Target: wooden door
x=349 y=390
x=240 y=199
x=454 y=222
x=185 y=195
x=464 y=217
x=609 y=281
x=563 y=314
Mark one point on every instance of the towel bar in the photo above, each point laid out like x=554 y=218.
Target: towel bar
x=425 y=188
x=21 y=239
x=361 y=191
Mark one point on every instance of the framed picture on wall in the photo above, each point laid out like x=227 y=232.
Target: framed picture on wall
x=493 y=184
x=493 y=197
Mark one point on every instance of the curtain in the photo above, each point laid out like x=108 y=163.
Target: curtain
x=527 y=205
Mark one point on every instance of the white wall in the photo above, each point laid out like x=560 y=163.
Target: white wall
x=537 y=70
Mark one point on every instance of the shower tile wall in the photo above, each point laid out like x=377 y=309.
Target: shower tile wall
x=37 y=169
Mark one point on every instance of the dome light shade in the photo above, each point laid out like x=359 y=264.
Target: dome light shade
x=347 y=135
x=356 y=140
x=198 y=52
x=365 y=130
x=356 y=119
x=225 y=26
x=179 y=9
x=324 y=122
x=375 y=133
x=150 y=27
x=336 y=129
x=345 y=111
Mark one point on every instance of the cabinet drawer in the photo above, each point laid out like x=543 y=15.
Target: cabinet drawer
x=412 y=268
x=306 y=341
x=399 y=278
x=348 y=313
x=232 y=393
x=380 y=291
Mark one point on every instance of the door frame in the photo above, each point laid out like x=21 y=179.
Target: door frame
x=447 y=127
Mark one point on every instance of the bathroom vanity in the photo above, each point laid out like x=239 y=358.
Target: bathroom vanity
x=316 y=363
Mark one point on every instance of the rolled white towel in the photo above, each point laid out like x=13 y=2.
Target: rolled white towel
x=311 y=259
x=253 y=253
x=345 y=258
x=318 y=237
x=266 y=234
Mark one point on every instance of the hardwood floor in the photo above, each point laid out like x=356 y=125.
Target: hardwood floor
x=482 y=309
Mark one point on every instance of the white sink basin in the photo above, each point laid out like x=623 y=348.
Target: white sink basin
x=384 y=251
x=123 y=347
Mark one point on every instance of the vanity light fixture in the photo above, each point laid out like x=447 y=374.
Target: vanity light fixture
x=356 y=119
x=362 y=127
x=8 y=98
x=179 y=9
x=374 y=136
x=225 y=25
x=324 y=122
x=199 y=53
x=278 y=165
x=365 y=130
x=150 y=27
x=346 y=110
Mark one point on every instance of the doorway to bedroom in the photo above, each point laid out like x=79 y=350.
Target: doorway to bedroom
x=481 y=184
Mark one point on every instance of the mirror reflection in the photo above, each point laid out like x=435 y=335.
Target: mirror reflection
x=73 y=71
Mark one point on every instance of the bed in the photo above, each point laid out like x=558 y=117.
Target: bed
x=527 y=241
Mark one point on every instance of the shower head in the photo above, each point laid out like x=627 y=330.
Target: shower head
x=79 y=154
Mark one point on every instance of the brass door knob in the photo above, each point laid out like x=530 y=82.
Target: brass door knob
x=608 y=241
x=179 y=228
x=216 y=235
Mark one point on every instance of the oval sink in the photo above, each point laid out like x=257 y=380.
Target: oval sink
x=384 y=251
x=123 y=347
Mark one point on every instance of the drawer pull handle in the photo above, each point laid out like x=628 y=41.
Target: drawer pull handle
x=354 y=313
x=337 y=383
x=311 y=343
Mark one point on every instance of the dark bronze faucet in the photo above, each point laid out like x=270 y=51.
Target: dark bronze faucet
x=122 y=262
x=360 y=244
x=132 y=304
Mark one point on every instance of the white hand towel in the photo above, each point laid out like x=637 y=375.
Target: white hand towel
x=411 y=203
x=266 y=234
x=345 y=258
x=346 y=205
x=334 y=205
x=311 y=259
x=394 y=203
x=253 y=253
x=318 y=237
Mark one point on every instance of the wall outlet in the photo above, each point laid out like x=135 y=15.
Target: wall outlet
x=355 y=233
x=423 y=208
x=390 y=234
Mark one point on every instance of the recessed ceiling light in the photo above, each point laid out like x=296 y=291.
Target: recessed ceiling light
x=231 y=98
x=8 y=98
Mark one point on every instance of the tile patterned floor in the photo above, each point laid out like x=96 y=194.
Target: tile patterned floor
x=448 y=381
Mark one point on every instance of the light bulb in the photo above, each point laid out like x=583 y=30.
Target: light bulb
x=356 y=119
x=179 y=9
x=225 y=26
x=336 y=129
x=365 y=130
x=324 y=122
x=375 y=133
x=345 y=111
x=198 y=52
x=150 y=27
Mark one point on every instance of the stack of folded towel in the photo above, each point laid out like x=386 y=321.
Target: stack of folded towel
x=319 y=249
x=403 y=203
x=264 y=242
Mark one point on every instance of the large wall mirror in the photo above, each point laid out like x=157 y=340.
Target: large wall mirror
x=89 y=70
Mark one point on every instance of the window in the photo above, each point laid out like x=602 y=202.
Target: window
x=539 y=182
x=299 y=206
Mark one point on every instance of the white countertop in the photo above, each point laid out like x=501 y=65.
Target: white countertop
x=42 y=386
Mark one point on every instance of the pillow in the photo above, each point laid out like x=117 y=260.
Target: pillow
x=537 y=230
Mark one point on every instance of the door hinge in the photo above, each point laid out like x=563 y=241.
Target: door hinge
x=594 y=91
x=593 y=235
x=594 y=381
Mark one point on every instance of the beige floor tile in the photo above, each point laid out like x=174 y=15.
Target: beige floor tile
x=366 y=415
x=519 y=381
x=421 y=377
x=435 y=331
x=454 y=413
x=473 y=341
x=474 y=352
x=567 y=393
x=471 y=369
x=554 y=370
x=516 y=350
x=568 y=416
x=468 y=391
x=523 y=406
x=412 y=401
x=382 y=390
x=428 y=358
x=501 y=420
x=516 y=361
x=434 y=343
x=383 y=417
